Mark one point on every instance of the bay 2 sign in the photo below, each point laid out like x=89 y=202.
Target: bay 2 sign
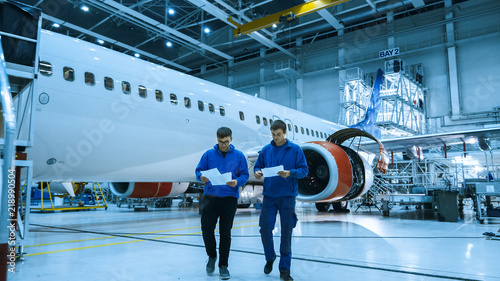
x=388 y=53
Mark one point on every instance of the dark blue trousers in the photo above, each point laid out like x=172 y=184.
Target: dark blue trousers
x=286 y=208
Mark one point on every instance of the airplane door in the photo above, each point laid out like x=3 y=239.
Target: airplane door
x=290 y=129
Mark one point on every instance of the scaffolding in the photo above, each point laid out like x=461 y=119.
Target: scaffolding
x=354 y=97
x=402 y=100
x=401 y=110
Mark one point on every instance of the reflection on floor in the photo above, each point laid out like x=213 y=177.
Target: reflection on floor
x=166 y=244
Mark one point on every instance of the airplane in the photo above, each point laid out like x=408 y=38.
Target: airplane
x=103 y=116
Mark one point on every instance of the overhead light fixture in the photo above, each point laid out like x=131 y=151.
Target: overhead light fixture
x=206 y=30
x=137 y=55
x=274 y=26
x=56 y=25
x=100 y=41
x=84 y=8
x=171 y=11
x=169 y=44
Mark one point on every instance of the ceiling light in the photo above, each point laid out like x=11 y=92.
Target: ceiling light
x=56 y=25
x=171 y=11
x=136 y=55
x=207 y=30
x=274 y=26
x=169 y=44
x=100 y=41
x=84 y=8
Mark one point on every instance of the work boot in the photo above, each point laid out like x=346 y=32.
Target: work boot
x=224 y=273
x=269 y=266
x=211 y=265
x=285 y=275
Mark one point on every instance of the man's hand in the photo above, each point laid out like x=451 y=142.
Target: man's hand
x=258 y=175
x=232 y=183
x=284 y=174
x=204 y=179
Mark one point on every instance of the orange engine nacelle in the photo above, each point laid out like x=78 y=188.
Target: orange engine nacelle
x=335 y=173
x=148 y=189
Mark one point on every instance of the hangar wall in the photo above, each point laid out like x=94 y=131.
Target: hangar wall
x=421 y=39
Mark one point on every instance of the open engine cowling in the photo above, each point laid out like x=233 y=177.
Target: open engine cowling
x=336 y=173
x=148 y=189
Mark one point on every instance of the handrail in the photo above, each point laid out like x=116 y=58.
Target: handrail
x=9 y=146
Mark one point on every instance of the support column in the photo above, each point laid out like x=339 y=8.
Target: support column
x=230 y=76
x=391 y=43
x=452 y=61
x=299 y=86
x=262 y=75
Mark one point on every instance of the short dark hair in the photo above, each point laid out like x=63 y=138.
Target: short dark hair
x=278 y=124
x=223 y=132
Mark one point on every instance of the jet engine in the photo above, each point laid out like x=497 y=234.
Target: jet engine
x=148 y=189
x=336 y=172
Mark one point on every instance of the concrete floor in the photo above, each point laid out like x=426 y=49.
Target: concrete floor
x=166 y=244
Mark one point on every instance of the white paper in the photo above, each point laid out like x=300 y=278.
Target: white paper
x=215 y=177
x=272 y=171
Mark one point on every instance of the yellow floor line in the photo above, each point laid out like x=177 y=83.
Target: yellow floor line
x=109 y=237
x=119 y=243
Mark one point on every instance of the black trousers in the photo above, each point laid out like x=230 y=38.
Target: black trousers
x=214 y=208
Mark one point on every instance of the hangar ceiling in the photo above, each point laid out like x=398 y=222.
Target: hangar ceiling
x=198 y=32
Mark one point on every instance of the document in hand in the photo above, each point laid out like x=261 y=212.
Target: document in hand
x=216 y=178
x=272 y=171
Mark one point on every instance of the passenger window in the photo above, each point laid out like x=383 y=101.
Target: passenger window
x=270 y=121
x=201 y=105
x=89 y=78
x=187 y=102
x=143 y=93
x=108 y=83
x=264 y=120
x=69 y=74
x=126 y=87
x=242 y=116
x=296 y=128
x=45 y=68
x=307 y=131
x=173 y=99
x=222 y=111
x=321 y=134
x=211 y=108
x=289 y=127
x=302 y=130
x=257 y=119
x=317 y=135
x=159 y=95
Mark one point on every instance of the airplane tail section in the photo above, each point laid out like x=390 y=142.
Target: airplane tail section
x=368 y=124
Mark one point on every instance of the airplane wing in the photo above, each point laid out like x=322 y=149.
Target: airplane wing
x=434 y=140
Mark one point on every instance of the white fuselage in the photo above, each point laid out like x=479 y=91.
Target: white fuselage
x=94 y=134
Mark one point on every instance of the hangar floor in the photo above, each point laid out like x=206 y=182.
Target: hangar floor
x=166 y=244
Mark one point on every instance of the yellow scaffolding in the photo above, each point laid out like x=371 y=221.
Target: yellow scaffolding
x=72 y=208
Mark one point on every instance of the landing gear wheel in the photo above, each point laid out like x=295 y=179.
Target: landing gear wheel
x=322 y=207
x=340 y=206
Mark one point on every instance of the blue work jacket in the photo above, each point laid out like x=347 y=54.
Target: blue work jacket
x=292 y=158
x=234 y=162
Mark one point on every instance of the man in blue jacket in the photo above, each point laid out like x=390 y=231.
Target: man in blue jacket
x=279 y=195
x=220 y=201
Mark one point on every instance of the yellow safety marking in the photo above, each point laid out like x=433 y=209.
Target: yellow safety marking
x=114 y=236
x=120 y=243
